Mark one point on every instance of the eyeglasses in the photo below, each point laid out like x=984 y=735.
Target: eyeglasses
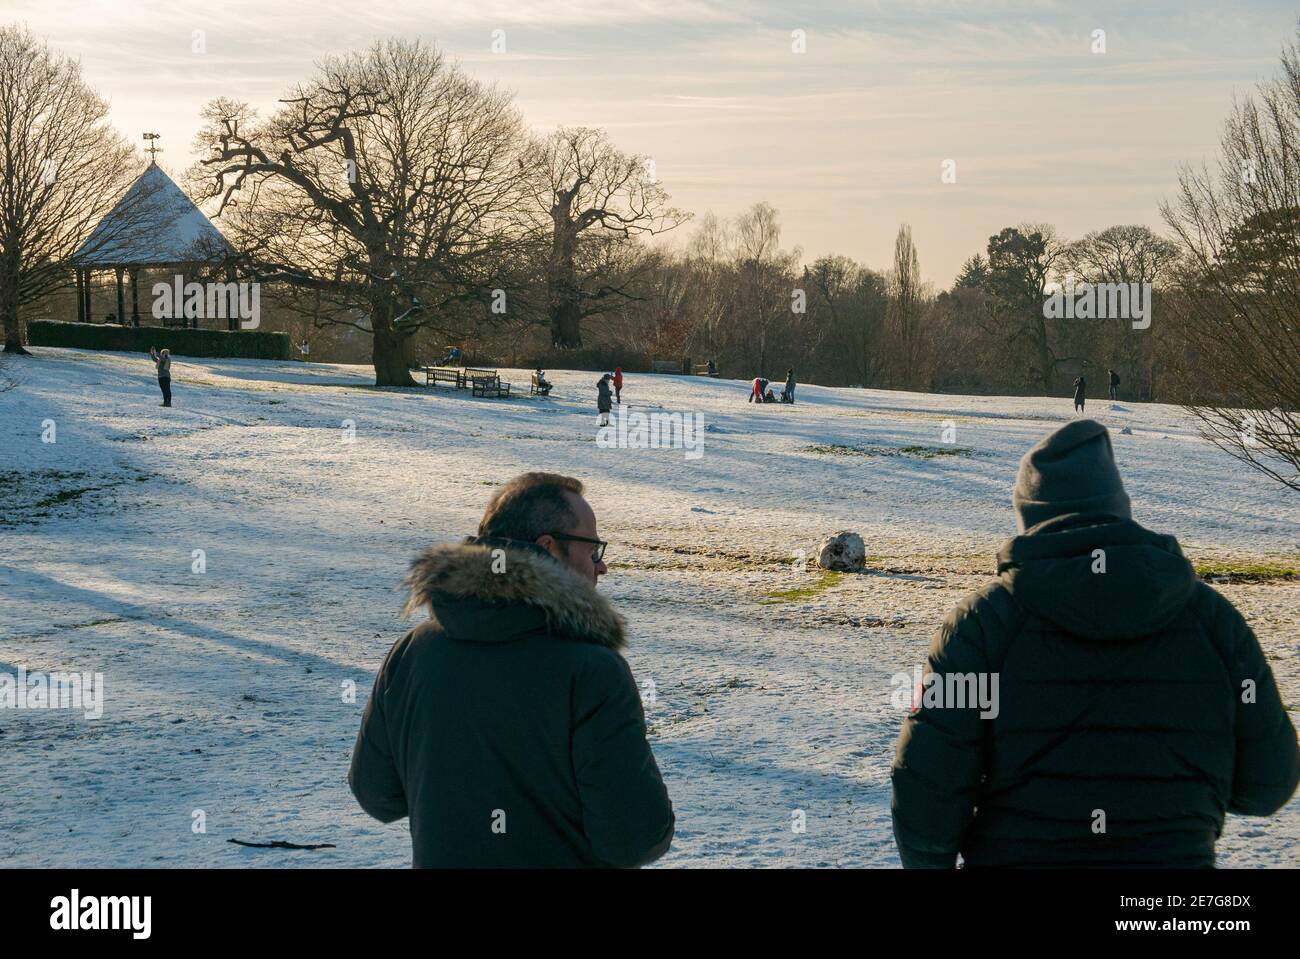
x=597 y=554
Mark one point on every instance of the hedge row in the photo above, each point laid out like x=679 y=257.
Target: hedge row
x=246 y=344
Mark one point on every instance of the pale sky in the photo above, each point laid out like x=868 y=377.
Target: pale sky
x=846 y=140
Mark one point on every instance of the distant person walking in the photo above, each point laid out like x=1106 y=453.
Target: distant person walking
x=1080 y=394
x=617 y=380
x=787 y=394
x=451 y=357
x=603 y=399
x=1131 y=705
x=1114 y=384
x=758 y=390
x=163 y=360
x=713 y=368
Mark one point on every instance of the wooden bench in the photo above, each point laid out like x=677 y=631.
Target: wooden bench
x=490 y=386
x=444 y=374
x=541 y=389
x=702 y=369
x=665 y=366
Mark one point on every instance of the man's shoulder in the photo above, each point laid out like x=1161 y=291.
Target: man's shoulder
x=988 y=617
x=410 y=644
x=1216 y=614
x=991 y=603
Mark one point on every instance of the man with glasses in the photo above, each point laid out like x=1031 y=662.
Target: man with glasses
x=508 y=727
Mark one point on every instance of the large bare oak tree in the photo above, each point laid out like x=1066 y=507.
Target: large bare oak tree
x=590 y=190
x=388 y=184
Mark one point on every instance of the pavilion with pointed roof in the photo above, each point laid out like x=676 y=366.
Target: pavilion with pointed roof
x=153 y=226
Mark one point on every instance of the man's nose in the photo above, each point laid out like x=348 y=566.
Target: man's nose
x=601 y=568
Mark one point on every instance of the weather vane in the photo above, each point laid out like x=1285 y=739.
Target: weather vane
x=153 y=149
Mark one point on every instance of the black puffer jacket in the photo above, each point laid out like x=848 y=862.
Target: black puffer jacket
x=508 y=727
x=1121 y=736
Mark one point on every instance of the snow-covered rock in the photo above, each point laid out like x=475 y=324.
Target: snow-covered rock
x=844 y=551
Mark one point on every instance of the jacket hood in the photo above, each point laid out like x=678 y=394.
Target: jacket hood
x=529 y=592
x=1055 y=570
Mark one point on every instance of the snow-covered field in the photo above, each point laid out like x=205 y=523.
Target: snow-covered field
x=225 y=689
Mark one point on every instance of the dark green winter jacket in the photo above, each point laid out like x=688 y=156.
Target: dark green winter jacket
x=509 y=727
x=1134 y=709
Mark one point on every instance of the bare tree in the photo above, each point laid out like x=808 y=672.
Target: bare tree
x=1238 y=298
x=851 y=304
x=904 y=318
x=708 y=266
x=765 y=281
x=1122 y=254
x=61 y=169
x=585 y=186
x=389 y=183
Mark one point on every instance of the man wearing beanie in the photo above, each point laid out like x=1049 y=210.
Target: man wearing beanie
x=1134 y=707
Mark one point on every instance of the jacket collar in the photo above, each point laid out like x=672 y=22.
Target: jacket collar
x=477 y=586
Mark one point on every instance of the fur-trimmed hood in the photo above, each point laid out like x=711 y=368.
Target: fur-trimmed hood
x=530 y=591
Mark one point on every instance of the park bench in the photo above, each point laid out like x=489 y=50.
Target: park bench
x=489 y=385
x=702 y=369
x=444 y=374
x=665 y=366
x=542 y=389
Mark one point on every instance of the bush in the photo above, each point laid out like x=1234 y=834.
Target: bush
x=245 y=344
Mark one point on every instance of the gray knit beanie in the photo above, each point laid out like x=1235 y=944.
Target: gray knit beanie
x=1072 y=471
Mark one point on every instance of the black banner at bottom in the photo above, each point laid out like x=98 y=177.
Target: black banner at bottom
x=220 y=908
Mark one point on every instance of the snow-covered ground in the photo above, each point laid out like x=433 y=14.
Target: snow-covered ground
x=225 y=689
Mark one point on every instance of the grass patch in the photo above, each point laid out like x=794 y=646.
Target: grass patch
x=1248 y=571
x=20 y=493
x=915 y=452
x=687 y=555
x=29 y=497
x=824 y=582
x=64 y=496
x=14 y=476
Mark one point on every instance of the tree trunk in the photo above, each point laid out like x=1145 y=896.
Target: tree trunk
x=562 y=280
x=15 y=325
x=566 y=324
x=1046 y=368
x=389 y=347
x=15 y=335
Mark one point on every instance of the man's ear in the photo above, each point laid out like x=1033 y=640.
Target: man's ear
x=550 y=544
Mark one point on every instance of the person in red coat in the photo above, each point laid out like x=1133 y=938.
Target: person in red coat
x=618 y=385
